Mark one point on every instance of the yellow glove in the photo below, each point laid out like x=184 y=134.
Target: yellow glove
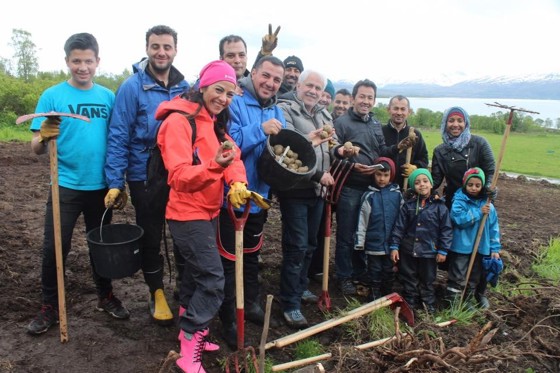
x=115 y=198
x=50 y=128
x=260 y=201
x=269 y=41
x=238 y=194
x=407 y=169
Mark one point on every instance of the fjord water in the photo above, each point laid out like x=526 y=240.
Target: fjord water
x=477 y=106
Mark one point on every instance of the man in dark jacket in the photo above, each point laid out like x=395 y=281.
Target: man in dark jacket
x=395 y=131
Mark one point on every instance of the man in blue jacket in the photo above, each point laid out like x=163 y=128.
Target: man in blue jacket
x=132 y=132
x=254 y=116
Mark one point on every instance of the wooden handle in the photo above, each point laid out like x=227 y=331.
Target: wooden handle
x=355 y=313
x=408 y=156
x=53 y=157
x=264 y=335
x=297 y=363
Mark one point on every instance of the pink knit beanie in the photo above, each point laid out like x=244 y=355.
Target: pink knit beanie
x=216 y=71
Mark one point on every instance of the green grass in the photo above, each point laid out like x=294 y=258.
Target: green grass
x=527 y=154
x=548 y=262
x=308 y=348
x=15 y=133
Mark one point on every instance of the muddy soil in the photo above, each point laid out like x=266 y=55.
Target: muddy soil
x=527 y=322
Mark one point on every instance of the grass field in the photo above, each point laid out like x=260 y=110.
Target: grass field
x=527 y=154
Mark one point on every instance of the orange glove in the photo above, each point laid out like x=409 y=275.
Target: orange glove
x=50 y=128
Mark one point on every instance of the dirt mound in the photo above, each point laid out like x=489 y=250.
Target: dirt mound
x=527 y=322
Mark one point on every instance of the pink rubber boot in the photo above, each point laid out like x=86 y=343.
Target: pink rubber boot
x=208 y=346
x=192 y=346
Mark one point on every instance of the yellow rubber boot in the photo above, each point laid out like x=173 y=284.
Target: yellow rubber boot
x=159 y=309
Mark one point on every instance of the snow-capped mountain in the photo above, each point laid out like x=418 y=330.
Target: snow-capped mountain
x=536 y=86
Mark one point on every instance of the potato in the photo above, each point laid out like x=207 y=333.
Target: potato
x=324 y=134
x=227 y=145
x=278 y=149
x=328 y=128
x=348 y=146
x=303 y=169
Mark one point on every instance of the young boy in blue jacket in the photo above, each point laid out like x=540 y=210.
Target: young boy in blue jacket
x=379 y=209
x=420 y=239
x=469 y=206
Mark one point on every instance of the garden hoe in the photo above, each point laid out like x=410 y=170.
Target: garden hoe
x=408 y=155
x=492 y=186
x=339 y=171
x=53 y=160
x=245 y=358
x=393 y=300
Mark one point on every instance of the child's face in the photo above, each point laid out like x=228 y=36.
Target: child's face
x=422 y=185
x=473 y=186
x=382 y=178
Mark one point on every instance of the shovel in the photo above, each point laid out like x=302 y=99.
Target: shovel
x=339 y=171
x=243 y=354
x=408 y=156
x=53 y=160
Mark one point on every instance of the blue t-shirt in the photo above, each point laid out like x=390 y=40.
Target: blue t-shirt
x=82 y=146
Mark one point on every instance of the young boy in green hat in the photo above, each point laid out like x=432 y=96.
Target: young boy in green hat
x=420 y=239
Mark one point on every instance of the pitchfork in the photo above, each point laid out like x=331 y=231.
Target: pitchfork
x=340 y=169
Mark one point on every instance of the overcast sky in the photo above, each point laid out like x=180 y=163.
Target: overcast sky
x=427 y=40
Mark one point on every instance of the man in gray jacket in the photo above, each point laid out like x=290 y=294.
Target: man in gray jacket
x=302 y=206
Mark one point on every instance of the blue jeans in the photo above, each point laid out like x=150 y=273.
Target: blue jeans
x=73 y=203
x=300 y=223
x=347 y=211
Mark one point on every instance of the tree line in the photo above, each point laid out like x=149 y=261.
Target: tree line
x=21 y=84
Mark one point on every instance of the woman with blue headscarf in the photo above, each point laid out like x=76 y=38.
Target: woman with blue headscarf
x=459 y=151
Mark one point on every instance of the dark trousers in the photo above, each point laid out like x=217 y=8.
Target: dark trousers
x=202 y=284
x=152 y=221
x=252 y=242
x=380 y=273
x=346 y=258
x=300 y=224
x=417 y=276
x=73 y=203
x=457 y=274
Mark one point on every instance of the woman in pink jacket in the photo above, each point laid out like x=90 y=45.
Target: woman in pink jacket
x=197 y=172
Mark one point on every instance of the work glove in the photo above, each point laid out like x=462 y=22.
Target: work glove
x=407 y=142
x=116 y=199
x=269 y=41
x=238 y=194
x=50 y=128
x=260 y=201
x=492 y=268
x=492 y=193
x=407 y=169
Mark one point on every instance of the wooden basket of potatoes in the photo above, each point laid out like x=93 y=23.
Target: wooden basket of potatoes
x=289 y=158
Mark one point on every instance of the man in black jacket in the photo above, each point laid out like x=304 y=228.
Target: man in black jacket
x=395 y=131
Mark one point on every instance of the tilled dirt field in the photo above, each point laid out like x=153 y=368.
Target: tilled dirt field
x=527 y=323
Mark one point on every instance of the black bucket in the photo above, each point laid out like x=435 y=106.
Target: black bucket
x=279 y=177
x=118 y=254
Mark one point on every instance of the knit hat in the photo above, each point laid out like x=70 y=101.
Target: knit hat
x=293 y=61
x=474 y=172
x=216 y=71
x=418 y=172
x=330 y=88
x=455 y=111
x=387 y=164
